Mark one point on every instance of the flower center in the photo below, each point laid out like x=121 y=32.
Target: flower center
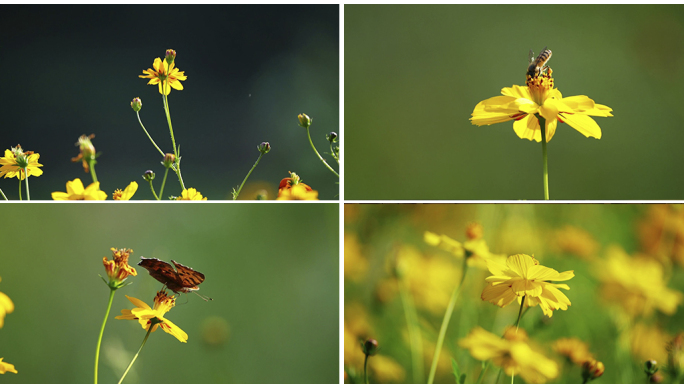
x=540 y=86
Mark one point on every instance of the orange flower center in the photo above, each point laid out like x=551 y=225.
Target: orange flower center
x=540 y=86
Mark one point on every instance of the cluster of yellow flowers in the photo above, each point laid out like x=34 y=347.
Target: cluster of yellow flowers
x=6 y=306
x=166 y=76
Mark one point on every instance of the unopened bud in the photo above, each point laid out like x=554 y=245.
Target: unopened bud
x=262 y=195
x=304 y=120
x=264 y=147
x=136 y=104
x=370 y=347
x=86 y=146
x=651 y=367
x=169 y=160
x=474 y=231
x=592 y=369
x=332 y=137
x=170 y=56
x=148 y=175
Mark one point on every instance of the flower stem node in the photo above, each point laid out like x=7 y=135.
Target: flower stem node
x=170 y=56
x=304 y=120
x=148 y=175
x=370 y=347
x=136 y=104
x=592 y=369
x=651 y=367
x=264 y=147
x=332 y=137
x=169 y=160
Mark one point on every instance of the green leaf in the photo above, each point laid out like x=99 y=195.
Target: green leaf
x=460 y=377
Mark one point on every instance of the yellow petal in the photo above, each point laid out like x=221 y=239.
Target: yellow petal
x=60 y=196
x=75 y=187
x=500 y=294
x=517 y=92
x=583 y=124
x=138 y=303
x=174 y=330
x=494 y=110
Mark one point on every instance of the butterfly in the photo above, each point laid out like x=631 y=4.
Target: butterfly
x=182 y=279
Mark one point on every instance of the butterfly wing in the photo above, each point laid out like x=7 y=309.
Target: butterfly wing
x=188 y=278
x=162 y=271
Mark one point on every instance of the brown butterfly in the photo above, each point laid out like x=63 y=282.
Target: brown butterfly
x=182 y=279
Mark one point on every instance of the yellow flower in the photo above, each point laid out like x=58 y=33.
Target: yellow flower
x=298 y=192
x=573 y=349
x=355 y=263
x=127 y=193
x=165 y=73
x=637 y=283
x=75 y=191
x=540 y=97
x=118 y=269
x=648 y=343
x=6 y=306
x=576 y=241
x=522 y=276
x=6 y=367
x=475 y=249
x=15 y=160
x=146 y=316
x=191 y=194
x=512 y=353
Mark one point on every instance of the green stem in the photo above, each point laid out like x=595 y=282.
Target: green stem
x=99 y=339
x=482 y=373
x=148 y=135
x=542 y=125
x=445 y=323
x=153 y=192
x=332 y=152
x=173 y=138
x=414 y=332
x=365 y=370
x=91 y=163
x=236 y=194
x=149 y=330
x=28 y=193
x=517 y=323
x=3 y=194
x=20 y=189
x=161 y=192
x=319 y=155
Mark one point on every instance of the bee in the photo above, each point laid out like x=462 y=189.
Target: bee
x=538 y=65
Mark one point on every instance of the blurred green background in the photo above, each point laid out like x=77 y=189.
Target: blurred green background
x=564 y=237
x=414 y=73
x=73 y=70
x=271 y=269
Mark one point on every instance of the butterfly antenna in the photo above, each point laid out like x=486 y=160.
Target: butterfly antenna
x=205 y=298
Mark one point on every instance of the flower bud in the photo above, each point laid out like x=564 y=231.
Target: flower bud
x=332 y=137
x=148 y=175
x=169 y=160
x=86 y=146
x=370 y=347
x=170 y=56
x=262 y=195
x=304 y=120
x=264 y=147
x=592 y=369
x=651 y=367
x=657 y=378
x=136 y=104
x=474 y=231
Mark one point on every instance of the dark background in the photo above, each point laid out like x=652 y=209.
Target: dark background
x=70 y=70
x=414 y=73
x=274 y=286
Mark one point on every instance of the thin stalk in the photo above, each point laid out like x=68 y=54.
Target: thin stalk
x=148 y=135
x=3 y=194
x=332 y=152
x=20 y=189
x=517 y=323
x=445 y=323
x=414 y=332
x=542 y=125
x=153 y=192
x=91 y=163
x=99 y=339
x=161 y=192
x=319 y=155
x=173 y=138
x=28 y=193
x=149 y=330
x=365 y=369
x=236 y=194
x=482 y=372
